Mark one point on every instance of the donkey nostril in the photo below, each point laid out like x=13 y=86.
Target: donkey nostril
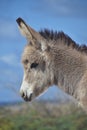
x=22 y=93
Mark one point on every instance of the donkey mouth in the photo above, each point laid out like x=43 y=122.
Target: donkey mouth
x=28 y=98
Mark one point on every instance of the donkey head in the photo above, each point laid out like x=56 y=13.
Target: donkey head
x=36 y=62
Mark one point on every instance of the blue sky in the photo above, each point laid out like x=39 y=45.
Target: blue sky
x=68 y=16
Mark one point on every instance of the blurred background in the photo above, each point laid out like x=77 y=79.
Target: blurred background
x=61 y=15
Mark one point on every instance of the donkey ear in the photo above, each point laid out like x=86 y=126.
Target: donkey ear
x=24 y=29
x=31 y=34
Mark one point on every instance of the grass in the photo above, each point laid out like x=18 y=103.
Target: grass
x=42 y=116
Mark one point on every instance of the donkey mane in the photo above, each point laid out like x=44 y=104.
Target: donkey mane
x=54 y=35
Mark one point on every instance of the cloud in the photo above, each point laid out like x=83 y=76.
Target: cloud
x=10 y=59
x=67 y=8
x=7 y=29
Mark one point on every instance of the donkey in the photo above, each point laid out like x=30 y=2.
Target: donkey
x=53 y=58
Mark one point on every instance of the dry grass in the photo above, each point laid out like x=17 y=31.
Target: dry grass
x=42 y=116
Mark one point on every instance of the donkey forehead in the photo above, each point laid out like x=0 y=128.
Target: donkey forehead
x=29 y=49
x=31 y=53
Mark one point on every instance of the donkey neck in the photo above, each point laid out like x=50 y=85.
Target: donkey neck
x=68 y=65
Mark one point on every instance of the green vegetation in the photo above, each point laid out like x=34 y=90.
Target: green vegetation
x=42 y=116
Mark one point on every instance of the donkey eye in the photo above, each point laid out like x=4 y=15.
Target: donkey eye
x=34 y=65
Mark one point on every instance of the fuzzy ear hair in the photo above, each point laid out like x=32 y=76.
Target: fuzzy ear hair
x=31 y=34
x=24 y=29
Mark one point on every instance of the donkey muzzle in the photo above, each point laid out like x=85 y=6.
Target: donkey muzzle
x=26 y=91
